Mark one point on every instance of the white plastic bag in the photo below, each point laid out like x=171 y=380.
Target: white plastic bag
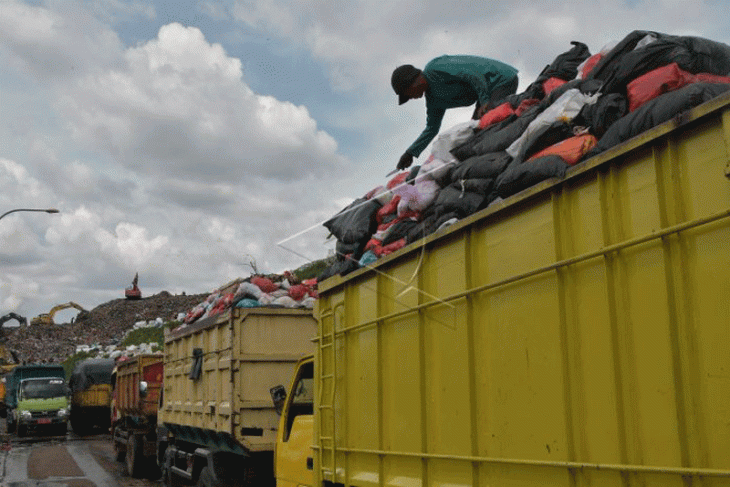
x=418 y=196
x=564 y=108
x=448 y=139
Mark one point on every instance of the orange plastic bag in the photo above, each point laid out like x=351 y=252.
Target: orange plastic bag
x=571 y=150
x=495 y=115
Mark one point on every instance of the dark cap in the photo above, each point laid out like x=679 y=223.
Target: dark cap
x=402 y=78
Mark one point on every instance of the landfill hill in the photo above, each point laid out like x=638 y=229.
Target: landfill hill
x=108 y=323
x=104 y=325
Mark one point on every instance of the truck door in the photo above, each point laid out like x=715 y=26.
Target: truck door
x=294 y=459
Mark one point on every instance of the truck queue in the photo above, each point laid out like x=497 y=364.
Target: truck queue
x=573 y=333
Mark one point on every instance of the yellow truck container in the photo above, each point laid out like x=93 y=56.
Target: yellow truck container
x=216 y=406
x=91 y=392
x=575 y=334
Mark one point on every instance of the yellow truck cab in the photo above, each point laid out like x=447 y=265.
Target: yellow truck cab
x=294 y=460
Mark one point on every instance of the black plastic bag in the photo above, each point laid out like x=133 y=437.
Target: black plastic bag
x=605 y=112
x=496 y=139
x=484 y=166
x=356 y=222
x=341 y=267
x=521 y=175
x=656 y=111
x=453 y=199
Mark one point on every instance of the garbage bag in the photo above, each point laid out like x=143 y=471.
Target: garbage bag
x=692 y=54
x=341 y=267
x=663 y=80
x=521 y=175
x=356 y=222
x=600 y=115
x=454 y=199
x=497 y=137
x=485 y=166
x=656 y=111
x=571 y=150
x=565 y=108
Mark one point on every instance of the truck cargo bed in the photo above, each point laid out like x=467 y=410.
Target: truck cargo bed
x=219 y=370
x=573 y=334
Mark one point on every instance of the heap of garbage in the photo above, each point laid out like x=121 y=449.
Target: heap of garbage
x=279 y=291
x=580 y=105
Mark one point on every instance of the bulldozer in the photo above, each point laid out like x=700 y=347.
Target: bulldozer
x=47 y=318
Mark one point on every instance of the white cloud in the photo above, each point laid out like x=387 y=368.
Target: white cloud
x=164 y=161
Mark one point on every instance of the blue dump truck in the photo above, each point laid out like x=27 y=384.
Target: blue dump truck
x=37 y=399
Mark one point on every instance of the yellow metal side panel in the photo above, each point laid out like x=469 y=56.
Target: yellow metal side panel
x=575 y=335
x=402 y=421
x=95 y=395
x=268 y=343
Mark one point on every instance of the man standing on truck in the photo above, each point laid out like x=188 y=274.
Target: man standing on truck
x=450 y=82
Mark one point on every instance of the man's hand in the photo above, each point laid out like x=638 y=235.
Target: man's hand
x=405 y=161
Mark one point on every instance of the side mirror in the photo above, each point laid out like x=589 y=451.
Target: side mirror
x=278 y=396
x=142 y=388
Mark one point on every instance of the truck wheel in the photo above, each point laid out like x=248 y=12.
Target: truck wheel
x=10 y=424
x=134 y=456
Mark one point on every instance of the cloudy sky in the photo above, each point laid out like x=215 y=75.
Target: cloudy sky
x=185 y=140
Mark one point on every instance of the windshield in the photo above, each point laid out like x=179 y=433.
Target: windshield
x=42 y=388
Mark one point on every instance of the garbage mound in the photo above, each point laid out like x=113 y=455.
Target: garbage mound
x=579 y=106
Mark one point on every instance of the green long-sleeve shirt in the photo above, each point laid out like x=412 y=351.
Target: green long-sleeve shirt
x=457 y=81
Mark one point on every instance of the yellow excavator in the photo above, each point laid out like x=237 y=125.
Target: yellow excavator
x=47 y=318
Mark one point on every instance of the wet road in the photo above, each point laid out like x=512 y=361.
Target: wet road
x=71 y=461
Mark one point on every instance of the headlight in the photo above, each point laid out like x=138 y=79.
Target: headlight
x=62 y=413
x=25 y=415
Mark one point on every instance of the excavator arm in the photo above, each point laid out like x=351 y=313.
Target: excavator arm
x=47 y=318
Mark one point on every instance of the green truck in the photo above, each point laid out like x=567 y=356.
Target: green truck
x=37 y=399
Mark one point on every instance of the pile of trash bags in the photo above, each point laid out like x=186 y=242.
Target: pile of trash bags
x=579 y=106
x=282 y=291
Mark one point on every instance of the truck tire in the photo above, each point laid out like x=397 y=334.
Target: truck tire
x=10 y=424
x=134 y=457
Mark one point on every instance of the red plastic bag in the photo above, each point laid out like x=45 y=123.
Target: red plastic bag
x=551 y=83
x=589 y=64
x=264 y=283
x=571 y=150
x=663 y=80
x=397 y=180
x=525 y=104
x=390 y=209
x=390 y=248
x=496 y=115
x=298 y=292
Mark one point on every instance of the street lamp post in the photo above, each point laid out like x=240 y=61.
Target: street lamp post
x=45 y=210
